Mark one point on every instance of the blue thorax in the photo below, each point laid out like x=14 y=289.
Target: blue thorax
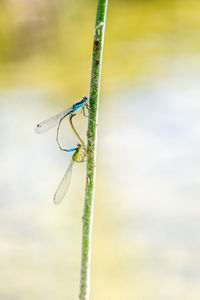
x=78 y=104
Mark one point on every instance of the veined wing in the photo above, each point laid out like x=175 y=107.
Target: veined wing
x=64 y=185
x=51 y=122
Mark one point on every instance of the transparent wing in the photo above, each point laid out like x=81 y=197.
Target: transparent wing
x=51 y=122
x=64 y=185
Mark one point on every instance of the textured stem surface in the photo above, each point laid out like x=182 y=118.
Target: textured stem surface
x=91 y=148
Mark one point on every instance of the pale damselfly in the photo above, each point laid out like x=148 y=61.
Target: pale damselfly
x=79 y=156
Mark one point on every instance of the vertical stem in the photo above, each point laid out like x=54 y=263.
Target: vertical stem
x=91 y=148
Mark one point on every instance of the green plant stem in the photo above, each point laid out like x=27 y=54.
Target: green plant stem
x=91 y=148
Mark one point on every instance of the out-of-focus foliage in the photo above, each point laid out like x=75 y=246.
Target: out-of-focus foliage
x=49 y=43
x=146 y=217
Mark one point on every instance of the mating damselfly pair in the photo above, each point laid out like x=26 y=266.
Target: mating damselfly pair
x=80 y=154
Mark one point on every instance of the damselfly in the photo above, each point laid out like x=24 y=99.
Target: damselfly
x=51 y=122
x=79 y=156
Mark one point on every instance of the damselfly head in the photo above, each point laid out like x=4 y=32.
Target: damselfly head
x=80 y=154
x=85 y=99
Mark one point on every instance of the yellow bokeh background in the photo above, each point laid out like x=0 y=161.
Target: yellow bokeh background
x=145 y=236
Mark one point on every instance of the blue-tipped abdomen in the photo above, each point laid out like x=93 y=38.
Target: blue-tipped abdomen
x=70 y=150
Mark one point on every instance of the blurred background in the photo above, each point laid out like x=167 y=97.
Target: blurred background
x=146 y=216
